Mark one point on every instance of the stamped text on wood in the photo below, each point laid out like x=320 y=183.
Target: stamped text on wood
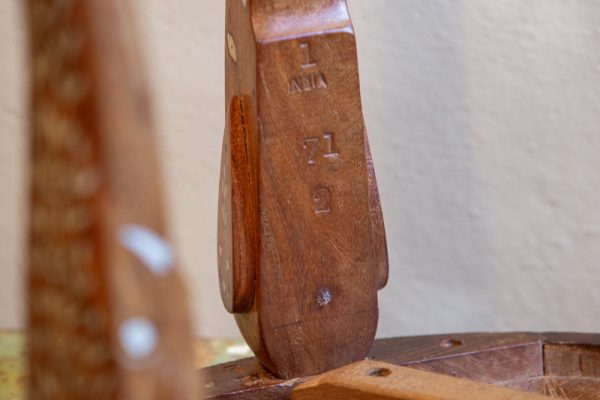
x=301 y=247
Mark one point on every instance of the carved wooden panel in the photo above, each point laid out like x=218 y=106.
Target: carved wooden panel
x=302 y=248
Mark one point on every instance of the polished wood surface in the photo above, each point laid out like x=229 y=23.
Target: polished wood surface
x=376 y=380
x=107 y=314
x=560 y=365
x=302 y=248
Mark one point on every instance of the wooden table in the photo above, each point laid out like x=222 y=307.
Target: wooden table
x=560 y=365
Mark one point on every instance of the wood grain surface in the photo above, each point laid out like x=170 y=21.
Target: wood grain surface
x=302 y=247
x=107 y=313
x=376 y=380
x=560 y=365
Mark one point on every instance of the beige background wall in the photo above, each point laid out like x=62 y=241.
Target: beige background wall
x=484 y=122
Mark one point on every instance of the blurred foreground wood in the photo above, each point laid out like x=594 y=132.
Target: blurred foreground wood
x=107 y=312
x=560 y=365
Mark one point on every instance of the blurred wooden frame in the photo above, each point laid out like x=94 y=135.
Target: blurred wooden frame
x=107 y=312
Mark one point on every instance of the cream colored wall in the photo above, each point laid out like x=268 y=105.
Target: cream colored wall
x=483 y=118
x=12 y=161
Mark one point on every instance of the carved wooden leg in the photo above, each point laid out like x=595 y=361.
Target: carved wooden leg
x=302 y=247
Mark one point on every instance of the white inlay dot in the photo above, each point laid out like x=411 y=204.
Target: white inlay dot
x=231 y=47
x=138 y=337
x=239 y=350
x=154 y=251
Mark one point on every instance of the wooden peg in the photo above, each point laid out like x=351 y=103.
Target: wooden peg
x=302 y=249
x=107 y=314
x=371 y=380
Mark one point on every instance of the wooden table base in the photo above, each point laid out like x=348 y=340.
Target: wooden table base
x=560 y=365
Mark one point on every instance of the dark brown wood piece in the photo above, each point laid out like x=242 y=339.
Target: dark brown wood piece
x=562 y=365
x=302 y=248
